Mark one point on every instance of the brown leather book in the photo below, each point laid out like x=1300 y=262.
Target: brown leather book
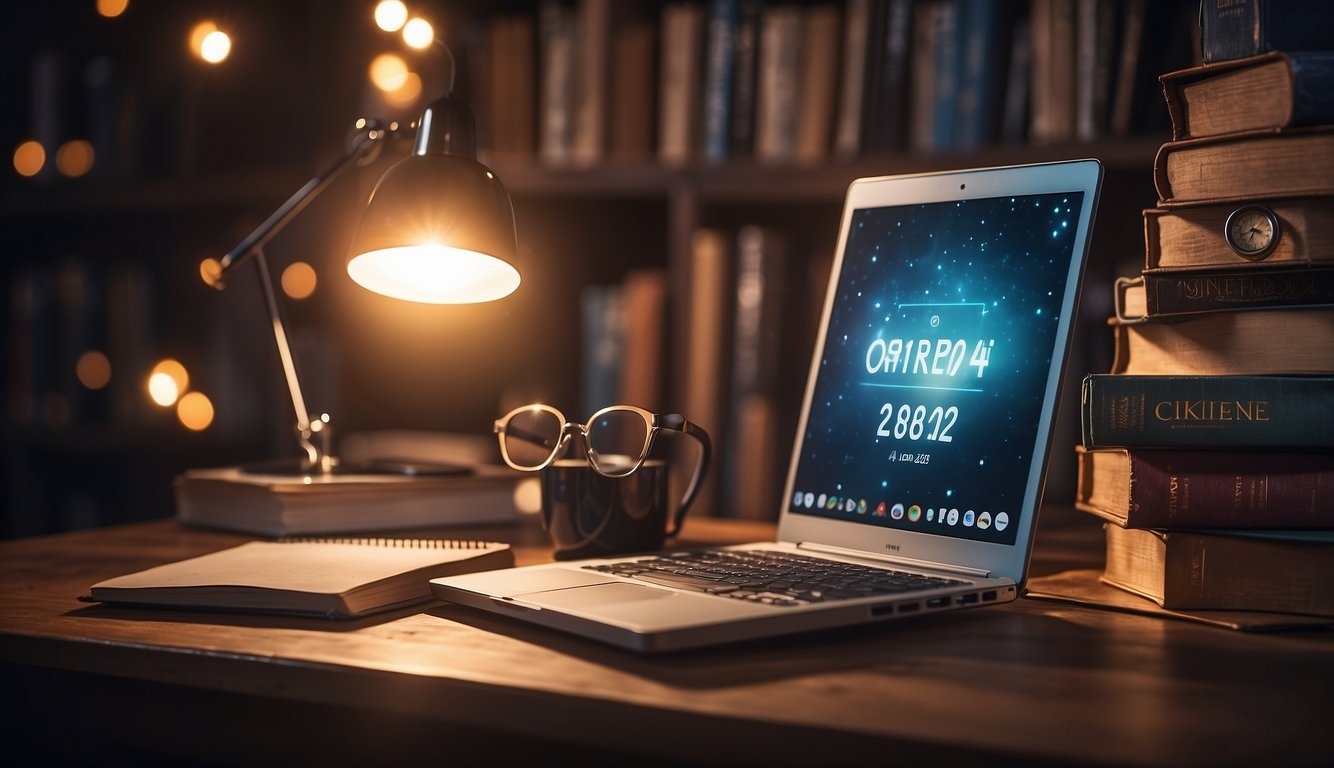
x=1292 y=341
x=1192 y=571
x=1244 y=166
x=1196 y=235
x=1272 y=90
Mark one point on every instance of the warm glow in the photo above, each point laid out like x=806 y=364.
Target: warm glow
x=112 y=8
x=406 y=94
x=74 y=158
x=418 y=33
x=390 y=15
x=195 y=411
x=299 y=280
x=201 y=30
x=168 y=380
x=388 y=71
x=29 y=158
x=210 y=271
x=216 y=46
x=434 y=274
x=93 y=369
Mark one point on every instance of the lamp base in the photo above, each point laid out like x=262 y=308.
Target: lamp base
x=298 y=468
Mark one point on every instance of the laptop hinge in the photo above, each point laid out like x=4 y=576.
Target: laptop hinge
x=964 y=570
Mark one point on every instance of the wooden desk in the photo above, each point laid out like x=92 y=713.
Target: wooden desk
x=1026 y=683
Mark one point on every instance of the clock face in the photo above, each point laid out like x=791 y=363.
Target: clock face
x=1253 y=231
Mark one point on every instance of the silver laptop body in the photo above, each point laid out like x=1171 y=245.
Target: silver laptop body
x=923 y=437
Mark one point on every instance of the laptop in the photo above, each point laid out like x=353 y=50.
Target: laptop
x=918 y=465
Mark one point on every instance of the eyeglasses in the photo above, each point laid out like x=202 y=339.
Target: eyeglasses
x=617 y=439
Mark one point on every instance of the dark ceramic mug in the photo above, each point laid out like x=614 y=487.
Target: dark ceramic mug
x=591 y=515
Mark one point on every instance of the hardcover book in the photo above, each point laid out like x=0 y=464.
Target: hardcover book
x=1277 y=89
x=281 y=505
x=1266 y=163
x=1180 y=292
x=328 y=578
x=1171 y=488
x=1231 y=29
x=1191 y=570
x=1285 y=412
x=1194 y=235
x=1291 y=341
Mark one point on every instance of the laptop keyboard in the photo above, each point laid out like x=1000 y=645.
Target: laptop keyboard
x=769 y=577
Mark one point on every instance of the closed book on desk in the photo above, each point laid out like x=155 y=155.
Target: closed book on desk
x=1190 y=570
x=1292 y=341
x=1242 y=412
x=1165 y=293
x=333 y=578
x=1197 y=488
x=274 y=505
x=1241 y=166
x=1279 y=90
x=1193 y=236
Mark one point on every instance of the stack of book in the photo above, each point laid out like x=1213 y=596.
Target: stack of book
x=1209 y=449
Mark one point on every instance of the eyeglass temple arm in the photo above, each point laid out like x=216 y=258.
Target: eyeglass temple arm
x=679 y=423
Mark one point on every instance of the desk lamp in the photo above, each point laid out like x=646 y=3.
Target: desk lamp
x=438 y=229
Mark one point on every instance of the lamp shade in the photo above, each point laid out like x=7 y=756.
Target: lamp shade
x=439 y=227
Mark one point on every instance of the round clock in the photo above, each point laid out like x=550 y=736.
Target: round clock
x=1252 y=231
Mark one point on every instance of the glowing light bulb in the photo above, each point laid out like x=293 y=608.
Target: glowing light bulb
x=112 y=8
x=390 y=15
x=418 y=33
x=197 y=34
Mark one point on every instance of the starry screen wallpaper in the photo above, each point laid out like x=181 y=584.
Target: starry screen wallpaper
x=926 y=408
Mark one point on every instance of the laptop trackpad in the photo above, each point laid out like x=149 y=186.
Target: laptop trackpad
x=594 y=596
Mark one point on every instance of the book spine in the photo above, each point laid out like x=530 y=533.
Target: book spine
x=558 y=80
x=948 y=80
x=1183 y=293
x=718 y=78
x=1230 y=489
x=779 y=76
x=603 y=315
x=852 y=78
x=981 y=65
x=886 y=110
x=1236 y=573
x=1231 y=29
x=745 y=50
x=818 y=82
x=589 y=141
x=1207 y=412
x=680 y=90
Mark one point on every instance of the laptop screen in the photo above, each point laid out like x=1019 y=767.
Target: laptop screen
x=926 y=407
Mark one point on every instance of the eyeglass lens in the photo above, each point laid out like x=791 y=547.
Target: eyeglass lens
x=617 y=439
x=531 y=436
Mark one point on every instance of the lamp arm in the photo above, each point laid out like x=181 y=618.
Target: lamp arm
x=312 y=434
x=364 y=145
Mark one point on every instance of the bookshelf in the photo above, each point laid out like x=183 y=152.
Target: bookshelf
x=581 y=224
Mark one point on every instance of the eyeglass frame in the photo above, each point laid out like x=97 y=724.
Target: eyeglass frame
x=673 y=422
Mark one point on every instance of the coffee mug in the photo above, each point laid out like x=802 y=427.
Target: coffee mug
x=591 y=515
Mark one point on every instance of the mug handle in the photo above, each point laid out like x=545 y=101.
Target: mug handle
x=676 y=421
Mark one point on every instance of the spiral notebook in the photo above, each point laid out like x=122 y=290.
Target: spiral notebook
x=328 y=577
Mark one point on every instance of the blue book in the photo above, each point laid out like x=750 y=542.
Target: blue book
x=948 y=54
x=983 y=29
x=721 y=43
x=1230 y=29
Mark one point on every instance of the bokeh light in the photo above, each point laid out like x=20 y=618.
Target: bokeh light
x=299 y=280
x=388 y=71
x=29 y=158
x=210 y=271
x=216 y=46
x=390 y=15
x=112 y=8
x=195 y=411
x=74 y=158
x=418 y=33
x=93 y=369
x=200 y=31
x=407 y=94
x=167 y=381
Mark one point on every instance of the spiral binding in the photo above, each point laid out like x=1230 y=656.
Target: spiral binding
x=385 y=541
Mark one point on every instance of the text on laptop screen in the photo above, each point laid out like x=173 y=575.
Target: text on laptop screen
x=925 y=411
